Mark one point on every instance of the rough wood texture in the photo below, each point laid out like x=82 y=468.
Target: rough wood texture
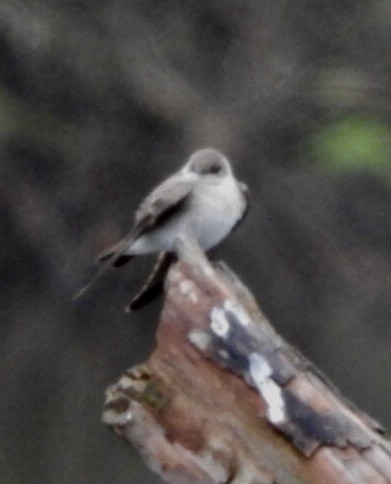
x=224 y=399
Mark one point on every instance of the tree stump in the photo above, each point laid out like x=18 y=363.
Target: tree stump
x=224 y=398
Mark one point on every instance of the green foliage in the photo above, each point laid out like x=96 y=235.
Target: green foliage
x=354 y=144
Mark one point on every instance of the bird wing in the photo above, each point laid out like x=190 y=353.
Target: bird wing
x=153 y=286
x=162 y=203
x=156 y=208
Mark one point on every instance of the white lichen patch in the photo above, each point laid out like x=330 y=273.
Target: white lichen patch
x=173 y=276
x=125 y=382
x=113 y=416
x=208 y=271
x=240 y=314
x=199 y=339
x=219 y=323
x=261 y=372
x=224 y=354
x=187 y=288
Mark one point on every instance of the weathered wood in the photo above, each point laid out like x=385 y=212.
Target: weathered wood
x=224 y=399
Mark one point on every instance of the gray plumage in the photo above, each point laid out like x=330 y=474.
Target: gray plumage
x=203 y=200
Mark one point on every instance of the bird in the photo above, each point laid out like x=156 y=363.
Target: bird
x=203 y=200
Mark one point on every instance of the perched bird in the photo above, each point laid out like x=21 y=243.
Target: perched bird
x=203 y=200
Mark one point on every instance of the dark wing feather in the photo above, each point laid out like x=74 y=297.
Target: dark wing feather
x=156 y=208
x=163 y=202
x=109 y=260
x=154 y=284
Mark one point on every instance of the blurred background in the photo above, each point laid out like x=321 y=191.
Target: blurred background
x=101 y=99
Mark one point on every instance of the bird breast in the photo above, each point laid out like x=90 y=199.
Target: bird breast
x=213 y=209
x=216 y=208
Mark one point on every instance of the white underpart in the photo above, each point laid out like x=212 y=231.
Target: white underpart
x=261 y=372
x=216 y=205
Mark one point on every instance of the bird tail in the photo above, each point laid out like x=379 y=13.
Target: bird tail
x=115 y=256
x=108 y=254
x=154 y=284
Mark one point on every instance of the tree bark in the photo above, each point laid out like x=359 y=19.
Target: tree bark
x=224 y=398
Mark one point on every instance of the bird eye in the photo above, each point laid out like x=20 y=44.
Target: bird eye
x=215 y=169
